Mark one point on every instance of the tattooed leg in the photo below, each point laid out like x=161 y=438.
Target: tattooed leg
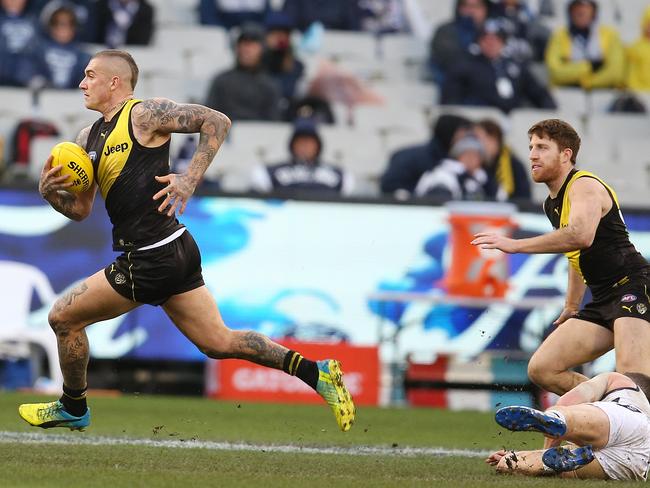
x=256 y=348
x=71 y=339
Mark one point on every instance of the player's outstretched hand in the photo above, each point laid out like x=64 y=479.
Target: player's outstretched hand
x=493 y=240
x=177 y=193
x=494 y=458
x=51 y=180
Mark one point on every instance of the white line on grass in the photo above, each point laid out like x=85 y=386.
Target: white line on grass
x=85 y=440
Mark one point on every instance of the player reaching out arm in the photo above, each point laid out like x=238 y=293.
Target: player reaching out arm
x=591 y=232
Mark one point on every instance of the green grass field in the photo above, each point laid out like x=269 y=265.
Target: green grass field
x=55 y=458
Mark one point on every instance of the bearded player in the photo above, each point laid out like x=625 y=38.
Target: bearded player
x=591 y=232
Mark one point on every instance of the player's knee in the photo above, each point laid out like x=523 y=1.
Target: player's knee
x=57 y=320
x=539 y=372
x=218 y=346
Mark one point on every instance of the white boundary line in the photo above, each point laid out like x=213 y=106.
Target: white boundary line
x=85 y=440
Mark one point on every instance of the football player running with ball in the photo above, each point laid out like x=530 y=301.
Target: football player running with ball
x=159 y=262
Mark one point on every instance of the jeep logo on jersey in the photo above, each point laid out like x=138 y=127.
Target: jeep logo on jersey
x=116 y=148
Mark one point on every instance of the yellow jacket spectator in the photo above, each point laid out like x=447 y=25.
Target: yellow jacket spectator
x=638 y=58
x=584 y=53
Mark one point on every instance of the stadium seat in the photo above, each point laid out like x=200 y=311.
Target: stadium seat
x=571 y=100
x=248 y=144
x=391 y=118
x=67 y=110
x=175 y=12
x=16 y=102
x=407 y=94
x=471 y=112
x=362 y=151
x=207 y=39
x=346 y=45
x=618 y=125
x=599 y=101
x=633 y=172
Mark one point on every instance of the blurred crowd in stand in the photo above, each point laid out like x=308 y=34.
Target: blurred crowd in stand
x=501 y=54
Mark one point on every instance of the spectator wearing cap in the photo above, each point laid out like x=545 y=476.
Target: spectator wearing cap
x=407 y=165
x=638 y=58
x=59 y=61
x=527 y=36
x=584 y=53
x=280 y=59
x=246 y=91
x=460 y=176
x=491 y=79
x=124 y=22
x=233 y=13
x=304 y=173
x=507 y=175
x=452 y=40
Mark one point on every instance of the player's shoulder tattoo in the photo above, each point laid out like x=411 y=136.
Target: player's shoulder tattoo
x=166 y=115
x=82 y=137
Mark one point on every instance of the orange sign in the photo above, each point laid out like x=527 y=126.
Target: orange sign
x=235 y=379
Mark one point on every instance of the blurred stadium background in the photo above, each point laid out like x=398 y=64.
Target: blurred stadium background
x=376 y=278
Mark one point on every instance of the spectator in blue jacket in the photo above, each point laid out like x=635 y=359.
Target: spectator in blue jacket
x=493 y=80
x=246 y=92
x=408 y=164
x=452 y=40
x=233 y=13
x=280 y=59
x=18 y=32
x=333 y=14
x=304 y=172
x=58 y=62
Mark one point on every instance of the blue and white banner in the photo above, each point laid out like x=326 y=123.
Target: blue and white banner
x=304 y=270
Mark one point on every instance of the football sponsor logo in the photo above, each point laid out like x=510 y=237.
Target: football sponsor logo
x=120 y=279
x=123 y=147
x=629 y=309
x=93 y=155
x=641 y=308
x=628 y=298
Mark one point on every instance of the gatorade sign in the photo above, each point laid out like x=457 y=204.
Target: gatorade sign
x=242 y=380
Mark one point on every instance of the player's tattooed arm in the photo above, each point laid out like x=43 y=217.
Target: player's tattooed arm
x=74 y=206
x=165 y=116
x=82 y=137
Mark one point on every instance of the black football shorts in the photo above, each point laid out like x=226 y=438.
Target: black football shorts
x=630 y=299
x=153 y=275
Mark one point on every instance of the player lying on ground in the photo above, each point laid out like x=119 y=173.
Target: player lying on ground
x=606 y=422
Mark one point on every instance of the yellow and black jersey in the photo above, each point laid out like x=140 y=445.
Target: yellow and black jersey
x=124 y=172
x=611 y=259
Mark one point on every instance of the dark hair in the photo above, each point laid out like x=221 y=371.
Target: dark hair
x=560 y=132
x=642 y=381
x=62 y=9
x=492 y=129
x=115 y=53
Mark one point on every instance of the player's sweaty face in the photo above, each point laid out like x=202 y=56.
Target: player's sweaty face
x=544 y=158
x=95 y=84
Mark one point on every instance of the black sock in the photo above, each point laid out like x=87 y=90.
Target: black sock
x=74 y=401
x=296 y=365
